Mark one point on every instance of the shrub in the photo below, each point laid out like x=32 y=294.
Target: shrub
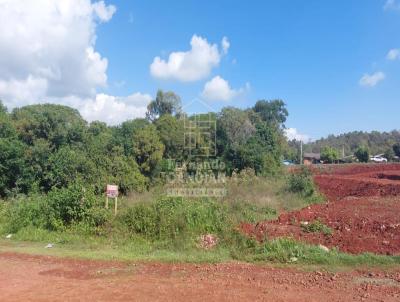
x=22 y=212
x=301 y=182
x=170 y=218
x=362 y=154
x=67 y=205
x=317 y=227
x=329 y=155
x=59 y=209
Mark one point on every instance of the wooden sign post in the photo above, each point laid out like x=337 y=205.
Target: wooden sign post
x=112 y=192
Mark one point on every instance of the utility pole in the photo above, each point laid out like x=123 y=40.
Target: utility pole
x=301 y=152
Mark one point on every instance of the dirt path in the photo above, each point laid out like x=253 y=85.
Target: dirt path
x=39 y=278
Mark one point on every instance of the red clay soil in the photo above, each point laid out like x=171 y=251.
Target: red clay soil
x=363 y=210
x=39 y=278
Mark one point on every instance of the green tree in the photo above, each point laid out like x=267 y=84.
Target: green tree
x=362 y=154
x=57 y=124
x=126 y=132
x=165 y=103
x=11 y=165
x=389 y=154
x=396 y=149
x=147 y=149
x=273 y=112
x=66 y=165
x=329 y=154
x=236 y=125
x=171 y=132
x=3 y=109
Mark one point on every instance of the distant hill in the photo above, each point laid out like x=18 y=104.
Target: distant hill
x=377 y=142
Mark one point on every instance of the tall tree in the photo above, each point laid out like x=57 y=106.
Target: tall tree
x=147 y=149
x=165 y=103
x=273 y=112
x=171 y=132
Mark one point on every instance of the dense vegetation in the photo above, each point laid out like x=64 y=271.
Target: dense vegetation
x=50 y=146
x=376 y=142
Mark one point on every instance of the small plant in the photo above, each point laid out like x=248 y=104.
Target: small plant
x=317 y=227
x=301 y=182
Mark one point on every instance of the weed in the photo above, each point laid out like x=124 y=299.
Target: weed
x=317 y=226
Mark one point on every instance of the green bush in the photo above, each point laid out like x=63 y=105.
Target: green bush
x=317 y=227
x=301 y=182
x=362 y=154
x=61 y=208
x=68 y=205
x=22 y=212
x=170 y=218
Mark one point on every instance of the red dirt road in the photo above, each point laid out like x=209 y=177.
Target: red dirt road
x=39 y=278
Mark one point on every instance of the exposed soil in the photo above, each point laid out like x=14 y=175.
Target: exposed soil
x=363 y=210
x=38 y=278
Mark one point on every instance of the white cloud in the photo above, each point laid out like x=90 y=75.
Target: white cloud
x=51 y=42
x=393 y=54
x=104 y=12
x=292 y=133
x=372 y=79
x=225 y=45
x=391 y=5
x=218 y=89
x=112 y=109
x=48 y=55
x=191 y=65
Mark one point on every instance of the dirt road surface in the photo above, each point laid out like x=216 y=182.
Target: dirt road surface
x=44 y=278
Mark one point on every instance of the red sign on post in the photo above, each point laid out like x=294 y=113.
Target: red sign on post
x=112 y=191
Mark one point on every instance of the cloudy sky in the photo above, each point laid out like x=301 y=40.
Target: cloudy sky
x=335 y=63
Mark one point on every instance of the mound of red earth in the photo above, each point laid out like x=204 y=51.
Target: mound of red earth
x=363 y=211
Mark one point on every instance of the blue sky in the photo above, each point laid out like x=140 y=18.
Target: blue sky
x=328 y=60
x=311 y=54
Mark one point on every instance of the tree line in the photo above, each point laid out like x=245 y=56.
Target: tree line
x=348 y=146
x=46 y=146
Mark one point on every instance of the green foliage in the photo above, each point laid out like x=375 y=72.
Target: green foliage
x=236 y=126
x=396 y=149
x=317 y=226
x=11 y=164
x=171 y=131
x=329 y=154
x=68 y=205
x=287 y=250
x=170 y=218
x=389 y=154
x=47 y=145
x=362 y=154
x=23 y=212
x=165 y=103
x=3 y=108
x=273 y=112
x=59 y=209
x=55 y=123
x=148 y=149
x=301 y=182
x=66 y=165
x=376 y=142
